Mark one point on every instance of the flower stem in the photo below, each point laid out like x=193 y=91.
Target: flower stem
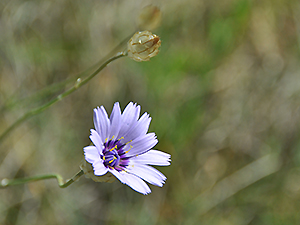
x=77 y=85
x=51 y=89
x=6 y=182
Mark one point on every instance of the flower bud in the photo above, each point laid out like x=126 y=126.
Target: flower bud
x=149 y=18
x=89 y=173
x=143 y=45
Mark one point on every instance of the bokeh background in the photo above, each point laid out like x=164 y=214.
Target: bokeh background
x=223 y=94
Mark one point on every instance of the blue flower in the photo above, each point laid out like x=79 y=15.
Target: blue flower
x=123 y=147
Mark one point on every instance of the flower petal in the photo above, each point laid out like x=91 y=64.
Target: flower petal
x=130 y=116
x=99 y=168
x=153 y=157
x=115 y=121
x=139 y=128
x=141 y=145
x=147 y=173
x=132 y=181
x=101 y=122
x=91 y=154
x=96 y=120
x=96 y=139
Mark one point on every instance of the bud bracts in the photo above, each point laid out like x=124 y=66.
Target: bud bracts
x=143 y=45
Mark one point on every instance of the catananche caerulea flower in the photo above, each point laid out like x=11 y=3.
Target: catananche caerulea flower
x=123 y=147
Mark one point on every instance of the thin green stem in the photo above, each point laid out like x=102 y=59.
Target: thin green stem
x=11 y=102
x=51 y=89
x=80 y=82
x=6 y=182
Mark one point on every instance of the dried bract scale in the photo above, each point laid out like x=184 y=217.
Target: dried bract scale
x=149 y=18
x=89 y=173
x=143 y=45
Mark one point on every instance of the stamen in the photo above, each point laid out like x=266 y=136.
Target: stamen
x=128 y=142
x=129 y=149
x=120 y=138
x=118 y=167
x=114 y=148
x=112 y=160
x=106 y=139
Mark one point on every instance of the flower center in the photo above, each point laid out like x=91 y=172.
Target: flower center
x=114 y=155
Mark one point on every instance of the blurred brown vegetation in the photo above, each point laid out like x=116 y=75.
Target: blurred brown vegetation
x=223 y=94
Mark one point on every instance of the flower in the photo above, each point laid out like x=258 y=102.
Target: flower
x=149 y=18
x=123 y=147
x=143 y=45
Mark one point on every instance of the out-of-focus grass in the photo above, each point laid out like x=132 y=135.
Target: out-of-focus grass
x=223 y=94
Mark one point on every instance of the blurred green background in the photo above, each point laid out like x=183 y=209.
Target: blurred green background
x=223 y=94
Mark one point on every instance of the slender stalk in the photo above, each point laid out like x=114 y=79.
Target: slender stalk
x=10 y=103
x=80 y=82
x=6 y=182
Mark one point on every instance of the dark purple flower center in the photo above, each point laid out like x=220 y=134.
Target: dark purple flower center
x=114 y=156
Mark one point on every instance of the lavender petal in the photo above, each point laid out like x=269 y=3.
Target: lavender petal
x=132 y=181
x=153 y=157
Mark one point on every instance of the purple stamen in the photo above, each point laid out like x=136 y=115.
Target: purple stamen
x=114 y=155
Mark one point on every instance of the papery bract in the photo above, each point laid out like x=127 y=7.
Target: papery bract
x=143 y=45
